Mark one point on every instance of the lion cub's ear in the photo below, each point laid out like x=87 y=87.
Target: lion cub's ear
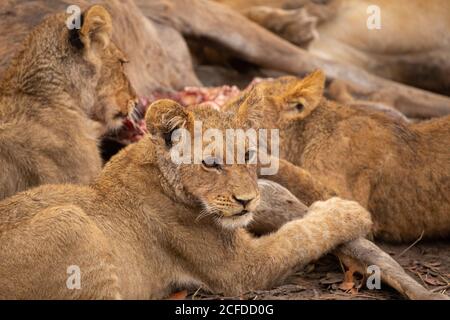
x=96 y=30
x=165 y=116
x=311 y=88
x=248 y=114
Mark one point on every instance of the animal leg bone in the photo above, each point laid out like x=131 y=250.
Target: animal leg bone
x=279 y=205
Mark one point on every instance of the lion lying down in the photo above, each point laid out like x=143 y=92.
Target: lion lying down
x=147 y=225
x=396 y=169
x=399 y=171
x=62 y=92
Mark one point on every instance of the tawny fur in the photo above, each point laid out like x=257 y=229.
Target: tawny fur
x=399 y=171
x=61 y=93
x=411 y=46
x=147 y=226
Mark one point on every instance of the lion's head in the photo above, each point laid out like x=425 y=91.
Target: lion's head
x=220 y=184
x=115 y=97
x=282 y=101
x=80 y=62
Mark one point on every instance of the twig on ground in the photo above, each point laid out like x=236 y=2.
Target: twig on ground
x=196 y=292
x=441 y=289
x=412 y=245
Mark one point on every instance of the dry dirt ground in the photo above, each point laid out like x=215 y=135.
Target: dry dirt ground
x=427 y=262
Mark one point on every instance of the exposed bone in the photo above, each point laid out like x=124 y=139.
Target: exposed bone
x=279 y=205
x=414 y=54
x=296 y=26
x=171 y=66
x=362 y=253
x=251 y=42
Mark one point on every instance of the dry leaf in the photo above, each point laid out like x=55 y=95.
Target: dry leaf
x=178 y=295
x=434 y=282
x=349 y=282
x=331 y=278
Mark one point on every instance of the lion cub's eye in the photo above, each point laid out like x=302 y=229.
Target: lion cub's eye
x=168 y=138
x=299 y=106
x=211 y=163
x=123 y=61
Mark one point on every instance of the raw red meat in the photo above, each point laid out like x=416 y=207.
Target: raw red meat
x=134 y=126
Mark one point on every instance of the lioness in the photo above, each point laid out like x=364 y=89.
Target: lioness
x=399 y=171
x=148 y=225
x=64 y=89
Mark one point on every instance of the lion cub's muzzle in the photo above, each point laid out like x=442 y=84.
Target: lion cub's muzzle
x=236 y=211
x=247 y=202
x=132 y=106
x=125 y=112
x=238 y=205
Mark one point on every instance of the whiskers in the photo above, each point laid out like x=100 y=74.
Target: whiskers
x=136 y=114
x=208 y=210
x=136 y=118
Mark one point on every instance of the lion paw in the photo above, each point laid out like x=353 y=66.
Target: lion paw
x=350 y=215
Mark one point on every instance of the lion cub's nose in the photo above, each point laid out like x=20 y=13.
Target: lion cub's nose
x=243 y=200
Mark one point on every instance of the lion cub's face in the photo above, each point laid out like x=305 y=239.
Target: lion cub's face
x=114 y=95
x=224 y=190
x=283 y=101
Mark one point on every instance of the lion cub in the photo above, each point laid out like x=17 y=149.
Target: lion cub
x=148 y=225
x=399 y=171
x=63 y=90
